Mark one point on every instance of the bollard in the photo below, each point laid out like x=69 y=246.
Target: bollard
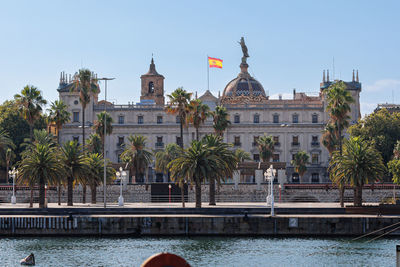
x=397 y=255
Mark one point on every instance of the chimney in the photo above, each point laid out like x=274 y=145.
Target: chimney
x=327 y=76
x=357 y=77
x=294 y=93
x=353 y=76
x=323 y=77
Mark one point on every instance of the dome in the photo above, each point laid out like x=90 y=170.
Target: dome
x=244 y=88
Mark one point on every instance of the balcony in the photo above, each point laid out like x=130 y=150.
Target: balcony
x=159 y=145
x=277 y=144
x=255 y=144
x=295 y=144
x=237 y=144
x=315 y=143
x=120 y=145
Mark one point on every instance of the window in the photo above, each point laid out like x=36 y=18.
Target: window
x=236 y=119
x=276 y=141
x=295 y=178
x=75 y=116
x=256 y=157
x=295 y=118
x=237 y=141
x=140 y=119
x=275 y=158
x=314 y=158
x=314 y=140
x=255 y=140
x=314 y=118
x=178 y=141
x=121 y=119
x=159 y=119
x=151 y=87
x=275 y=118
x=256 y=118
x=178 y=119
x=121 y=141
x=315 y=178
x=159 y=142
x=295 y=141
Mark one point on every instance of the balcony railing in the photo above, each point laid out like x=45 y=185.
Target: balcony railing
x=255 y=144
x=315 y=143
x=277 y=144
x=159 y=145
x=120 y=145
x=295 y=144
x=237 y=144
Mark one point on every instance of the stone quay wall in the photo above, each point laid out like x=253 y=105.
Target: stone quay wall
x=194 y=225
x=224 y=193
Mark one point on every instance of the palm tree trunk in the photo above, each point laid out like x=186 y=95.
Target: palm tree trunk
x=197 y=133
x=183 y=195
x=84 y=193
x=181 y=145
x=93 y=193
x=198 y=194
x=7 y=167
x=59 y=194
x=341 y=196
x=83 y=129
x=31 y=132
x=31 y=199
x=41 y=193
x=181 y=129
x=69 y=191
x=342 y=188
x=212 y=191
x=357 y=196
x=58 y=135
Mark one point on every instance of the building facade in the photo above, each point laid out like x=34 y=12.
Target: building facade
x=295 y=124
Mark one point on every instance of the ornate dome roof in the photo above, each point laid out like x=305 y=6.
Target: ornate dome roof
x=244 y=88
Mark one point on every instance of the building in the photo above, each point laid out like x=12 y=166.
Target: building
x=295 y=124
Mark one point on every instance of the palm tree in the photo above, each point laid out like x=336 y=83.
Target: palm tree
x=137 y=155
x=86 y=84
x=95 y=172
x=194 y=165
x=103 y=119
x=75 y=166
x=178 y=105
x=163 y=158
x=329 y=138
x=94 y=144
x=338 y=107
x=220 y=120
x=358 y=164
x=266 y=147
x=30 y=102
x=226 y=160
x=41 y=165
x=59 y=115
x=300 y=162
x=198 y=113
x=241 y=155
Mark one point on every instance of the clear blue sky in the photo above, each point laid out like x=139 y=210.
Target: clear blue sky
x=289 y=42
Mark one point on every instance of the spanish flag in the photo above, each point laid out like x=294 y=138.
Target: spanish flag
x=215 y=62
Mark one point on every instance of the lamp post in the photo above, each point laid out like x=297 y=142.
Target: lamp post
x=169 y=190
x=104 y=145
x=13 y=173
x=270 y=175
x=121 y=175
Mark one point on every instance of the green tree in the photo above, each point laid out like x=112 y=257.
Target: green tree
x=241 y=155
x=103 y=120
x=225 y=159
x=300 y=162
x=10 y=157
x=194 y=165
x=94 y=144
x=329 y=138
x=41 y=165
x=95 y=173
x=179 y=105
x=137 y=155
x=163 y=158
x=75 y=166
x=198 y=113
x=358 y=164
x=86 y=84
x=220 y=120
x=59 y=115
x=30 y=102
x=266 y=147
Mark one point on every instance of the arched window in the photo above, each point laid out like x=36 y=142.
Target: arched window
x=151 y=87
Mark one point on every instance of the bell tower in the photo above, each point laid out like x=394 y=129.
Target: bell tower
x=153 y=85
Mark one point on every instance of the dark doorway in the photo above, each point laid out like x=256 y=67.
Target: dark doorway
x=160 y=193
x=295 y=178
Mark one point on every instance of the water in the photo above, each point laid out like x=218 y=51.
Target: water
x=199 y=251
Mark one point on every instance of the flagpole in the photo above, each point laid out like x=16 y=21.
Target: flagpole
x=208 y=75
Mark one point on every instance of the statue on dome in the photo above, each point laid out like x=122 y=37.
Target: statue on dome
x=244 y=50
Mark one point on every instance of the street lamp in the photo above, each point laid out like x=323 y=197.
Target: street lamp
x=104 y=145
x=169 y=189
x=13 y=173
x=121 y=175
x=270 y=175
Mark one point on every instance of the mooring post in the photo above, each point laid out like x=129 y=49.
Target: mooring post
x=397 y=255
